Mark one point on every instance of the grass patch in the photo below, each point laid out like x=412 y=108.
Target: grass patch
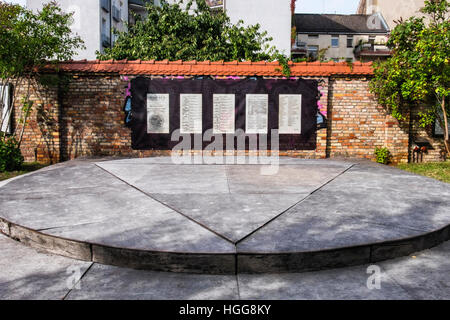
x=436 y=170
x=26 y=168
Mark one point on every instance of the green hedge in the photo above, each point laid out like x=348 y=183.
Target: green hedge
x=11 y=158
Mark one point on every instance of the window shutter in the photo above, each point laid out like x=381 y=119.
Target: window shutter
x=5 y=109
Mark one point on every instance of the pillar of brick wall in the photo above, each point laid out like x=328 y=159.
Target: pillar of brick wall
x=358 y=124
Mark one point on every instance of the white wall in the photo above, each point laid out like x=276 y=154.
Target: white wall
x=274 y=16
x=393 y=10
x=86 y=22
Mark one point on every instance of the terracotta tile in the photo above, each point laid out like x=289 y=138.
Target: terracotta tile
x=216 y=68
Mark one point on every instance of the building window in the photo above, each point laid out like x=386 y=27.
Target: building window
x=299 y=40
x=313 y=36
x=335 y=41
x=313 y=52
x=372 y=40
x=349 y=41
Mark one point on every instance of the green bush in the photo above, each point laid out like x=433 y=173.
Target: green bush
x=383 y=155
x=11 y=158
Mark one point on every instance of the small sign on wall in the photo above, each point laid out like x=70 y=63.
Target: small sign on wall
x=158 y=113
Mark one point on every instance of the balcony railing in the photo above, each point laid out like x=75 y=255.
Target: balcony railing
x=299 y=47
x=372 y=50
x=106 y=5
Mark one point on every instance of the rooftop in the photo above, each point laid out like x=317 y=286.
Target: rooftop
x=339 y=23
x=208 y=68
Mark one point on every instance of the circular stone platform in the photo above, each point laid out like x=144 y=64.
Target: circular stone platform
x=226 y=219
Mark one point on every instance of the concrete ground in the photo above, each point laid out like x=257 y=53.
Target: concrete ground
x=226 y=218
x=29 y=274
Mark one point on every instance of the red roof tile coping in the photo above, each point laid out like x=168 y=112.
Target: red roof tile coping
x=213 y=68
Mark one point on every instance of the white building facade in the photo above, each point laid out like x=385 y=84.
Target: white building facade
x=94 y=21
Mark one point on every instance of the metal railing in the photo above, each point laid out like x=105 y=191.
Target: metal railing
x=368 y=48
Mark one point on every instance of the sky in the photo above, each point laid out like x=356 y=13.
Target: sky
x=327 y=6
x=304 y=6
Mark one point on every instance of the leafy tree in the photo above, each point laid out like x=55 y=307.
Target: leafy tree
x=170 y=32
x=28 y=41
x=418 y=71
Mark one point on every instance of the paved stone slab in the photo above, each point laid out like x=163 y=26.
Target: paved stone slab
x=238 y=160
x=232 y=215
x=424 y=275
x=337 y=284
x=289 y=178
x=111 y=283
x=171 y=179
x=302 y=232
x=161 y=231
x=27 y=274
x=392 y=197
x=60 y=179
x=154 y=211
x=81 y=206
x=367 y=204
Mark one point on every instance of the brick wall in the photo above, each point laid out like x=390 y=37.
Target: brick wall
x=358 y=125
x=84 y=117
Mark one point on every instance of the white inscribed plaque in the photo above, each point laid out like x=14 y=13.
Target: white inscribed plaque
x=157 y=113
x=224 y=114
x=257 y=110
x=191 y=113
x=290 y=114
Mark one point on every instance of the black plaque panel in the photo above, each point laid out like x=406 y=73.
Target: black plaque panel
x=141 y=86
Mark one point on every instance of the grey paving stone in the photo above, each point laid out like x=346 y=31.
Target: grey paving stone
x=289 y=179
x=65 y=247
x=28 y=275
x=65 y=207
x=237 y=160
x=160 y=231
x=231 y=215
x=367 y=204
x=278 y=262
x=424 y=275
x=57 y=179
x=390 y=196
x=360 y=204
x=196 y=263
x=297 y=232
x=336 y=284
x=171 y=179
x=111 y=283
